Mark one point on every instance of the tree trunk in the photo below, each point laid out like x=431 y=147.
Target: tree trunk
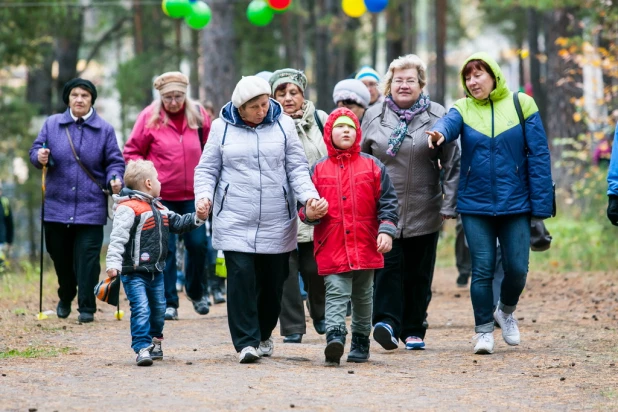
x=394 y=39
x=440 y=19
x=409 y=24
x=374 y=40
x=218 y=42
x=322 y=59
x=40 y=83
x=535 y=65
x=564 y=79
x=194 y=80
x=67 y=45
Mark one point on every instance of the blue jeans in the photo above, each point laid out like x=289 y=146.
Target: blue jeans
x=146 y=296
x=195 y=246
x=513 y=232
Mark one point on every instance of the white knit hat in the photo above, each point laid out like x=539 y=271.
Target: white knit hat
x=352 y=89
x=249 y=87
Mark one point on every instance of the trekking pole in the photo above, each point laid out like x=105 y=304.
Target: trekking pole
x=41 y=315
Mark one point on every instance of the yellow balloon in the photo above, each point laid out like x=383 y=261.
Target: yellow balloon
x=354 y=8
x=119 y=314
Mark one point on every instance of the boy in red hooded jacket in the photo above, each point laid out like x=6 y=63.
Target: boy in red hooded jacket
x=362 y=207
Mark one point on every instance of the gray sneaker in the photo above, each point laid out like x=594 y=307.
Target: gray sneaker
x=171 y=314
x=143 y=357
x=201 y=306
x=156 y=352
x=266 y=347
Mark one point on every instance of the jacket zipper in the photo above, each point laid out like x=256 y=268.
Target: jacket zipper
x=287 y=203
x=467 y=178
x=223 y=200
x=492 y=166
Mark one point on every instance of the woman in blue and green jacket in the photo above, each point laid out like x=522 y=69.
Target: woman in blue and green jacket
x=505 y=180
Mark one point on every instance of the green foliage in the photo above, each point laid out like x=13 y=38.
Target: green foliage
x=33 y=352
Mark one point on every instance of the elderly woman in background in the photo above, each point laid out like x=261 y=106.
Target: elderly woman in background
x=394 y=132
x=171 y=133
x=83 y=159
x=288 y=88
x=252 y=172
x=371 y=79
x=506 y=180
x=352 y=94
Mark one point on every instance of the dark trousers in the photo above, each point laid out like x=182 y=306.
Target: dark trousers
x=403 y=286
x=462 y=252
x=314 y=283
x=254 y=289
x=292 y=317
x=196 y=249
x=75 y=251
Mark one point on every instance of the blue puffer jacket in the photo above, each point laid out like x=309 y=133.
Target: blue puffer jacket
x=502 y=172
x=612 y=175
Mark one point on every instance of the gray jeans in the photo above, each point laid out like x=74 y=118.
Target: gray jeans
x=340 y=288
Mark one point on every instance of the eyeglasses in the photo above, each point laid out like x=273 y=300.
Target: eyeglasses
x=400 y=82
x=178 y=98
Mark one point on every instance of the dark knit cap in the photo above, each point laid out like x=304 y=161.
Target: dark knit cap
x=81 y=83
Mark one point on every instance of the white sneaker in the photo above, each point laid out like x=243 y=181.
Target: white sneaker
x=484 y=344
x=266 y=347
x=248 y=355
x=508 y=323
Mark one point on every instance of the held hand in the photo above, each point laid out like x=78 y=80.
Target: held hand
x=116 y=185
x=434 y=137
x=310 y=210
x=446 y=217
x=43 y=156
x=112 y=273
x=321 y=208
x=385 y=243
x=204 y=203
x=202 y=211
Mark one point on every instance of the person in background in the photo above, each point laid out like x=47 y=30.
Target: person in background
x=505 y=182
x=288 y=88
x=251 y=174
x=371 y=79
x=612 y=183
x=81 y=153
x=6 y=227
x=394 y=132
x=352 y=94
x=171 y=132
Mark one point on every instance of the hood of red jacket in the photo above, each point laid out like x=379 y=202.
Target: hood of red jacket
x=328 y=131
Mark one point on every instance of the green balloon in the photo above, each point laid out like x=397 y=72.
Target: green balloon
x=200 y=15
x=177 y=8
x=259 y=13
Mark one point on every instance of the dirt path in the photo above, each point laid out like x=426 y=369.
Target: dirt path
x=567 y=361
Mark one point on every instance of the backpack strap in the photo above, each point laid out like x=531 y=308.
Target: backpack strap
x=200 y=130
x=520 y=114
x=318 y=122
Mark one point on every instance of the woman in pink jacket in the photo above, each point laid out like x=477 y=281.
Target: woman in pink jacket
x=171 y=133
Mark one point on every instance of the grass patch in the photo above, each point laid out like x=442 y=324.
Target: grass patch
x=610 y=393
x=33 y=352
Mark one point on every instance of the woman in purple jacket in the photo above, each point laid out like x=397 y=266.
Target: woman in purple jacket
x=75 y=204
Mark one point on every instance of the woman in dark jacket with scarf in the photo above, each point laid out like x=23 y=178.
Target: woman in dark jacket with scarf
x=75 y=204
x=394 y=132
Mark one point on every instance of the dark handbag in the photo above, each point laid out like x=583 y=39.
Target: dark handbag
x=110 y=201
x=540 y=239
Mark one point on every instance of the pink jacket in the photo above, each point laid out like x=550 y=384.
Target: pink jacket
x=174 y=153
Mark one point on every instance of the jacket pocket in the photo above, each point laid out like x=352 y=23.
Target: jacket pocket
x=223 y=199
x=287 y=202
x=467 y=179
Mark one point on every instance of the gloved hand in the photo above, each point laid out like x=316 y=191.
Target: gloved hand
x=612 y=209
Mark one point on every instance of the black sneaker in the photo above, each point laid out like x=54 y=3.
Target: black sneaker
x=201 y=306
x=293 y=338
x=85 y=317
x=63 y=310
x=335 y=343
x=156 y=352
x=359 y=349
x=462 y=280
x=320 y=326
x=143 y=357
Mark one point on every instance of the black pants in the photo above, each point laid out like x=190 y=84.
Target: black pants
x=254 y=289
x=292 y=317
x=403 y=287
x=462 y=253
x=75 y=251
x=314 y=283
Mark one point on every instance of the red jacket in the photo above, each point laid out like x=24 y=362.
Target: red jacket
x=175 y=153
x=361 y=202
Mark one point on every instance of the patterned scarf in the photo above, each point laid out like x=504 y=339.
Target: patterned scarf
x=405 y=118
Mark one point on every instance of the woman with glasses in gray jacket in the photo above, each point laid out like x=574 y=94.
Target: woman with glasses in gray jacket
x=251 y=174
x=394 y=132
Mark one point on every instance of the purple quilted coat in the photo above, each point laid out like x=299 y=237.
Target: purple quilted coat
x=71 y=196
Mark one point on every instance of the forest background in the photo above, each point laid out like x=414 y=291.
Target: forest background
x=563 y=52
